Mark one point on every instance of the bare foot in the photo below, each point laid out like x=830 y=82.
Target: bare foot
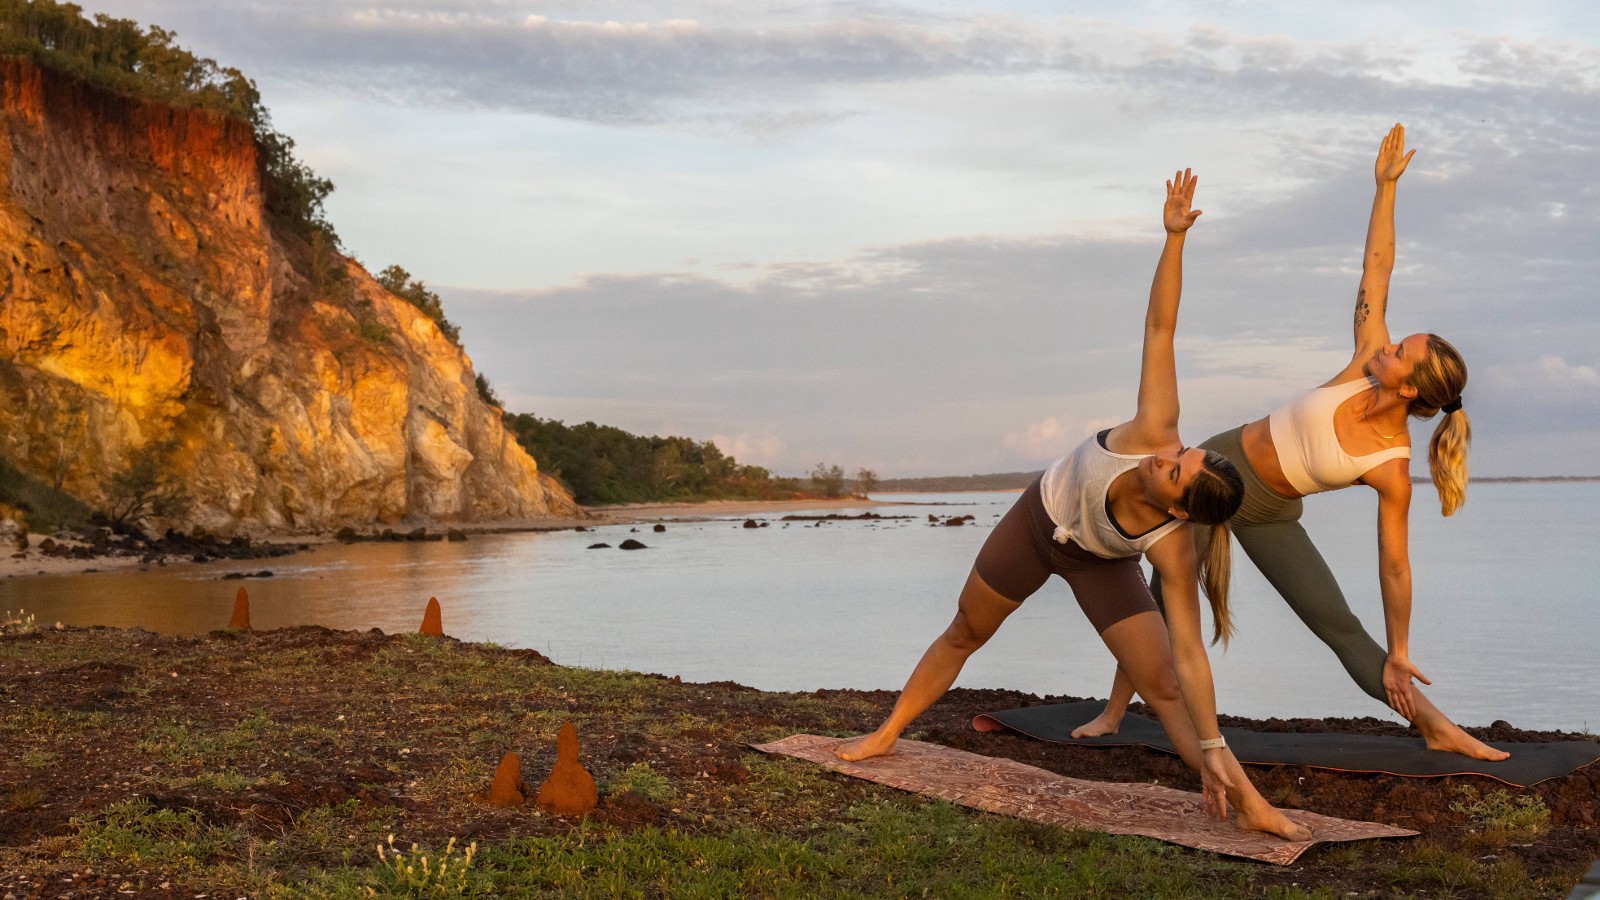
x=1449 y=737
x=1270 y=819
x=1102 y=724
x=865 y=747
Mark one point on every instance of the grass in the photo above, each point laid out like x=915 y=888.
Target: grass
x=137 y=831
x=334 y=743
x=1500 y=817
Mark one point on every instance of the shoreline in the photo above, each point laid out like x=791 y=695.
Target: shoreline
x=33 y=563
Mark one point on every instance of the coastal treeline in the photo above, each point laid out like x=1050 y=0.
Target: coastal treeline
x=602 y=464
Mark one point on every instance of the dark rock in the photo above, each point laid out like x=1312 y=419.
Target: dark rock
x=659 y=528
x=598 y=546
x=455 y=535
x=417 y=534
x=751 y=523
x=631 y=544
x=346 y=535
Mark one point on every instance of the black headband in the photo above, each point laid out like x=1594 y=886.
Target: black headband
x=1452 y=406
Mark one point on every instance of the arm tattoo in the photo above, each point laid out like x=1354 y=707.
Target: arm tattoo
x=1361 y=307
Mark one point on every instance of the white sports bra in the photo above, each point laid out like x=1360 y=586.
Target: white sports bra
x=1073 y=491
x=1308 y=448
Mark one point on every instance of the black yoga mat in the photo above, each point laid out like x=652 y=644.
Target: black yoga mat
x=1529 y=763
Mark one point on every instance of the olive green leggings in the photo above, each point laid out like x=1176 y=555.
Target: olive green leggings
x=1268 y=528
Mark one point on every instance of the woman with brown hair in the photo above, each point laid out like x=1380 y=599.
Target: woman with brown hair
x=1130 y=490
x=1353 y=430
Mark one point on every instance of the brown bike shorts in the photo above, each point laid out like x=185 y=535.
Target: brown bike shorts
x=1020 y=555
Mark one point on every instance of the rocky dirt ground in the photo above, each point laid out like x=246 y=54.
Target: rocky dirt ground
x=299 y=749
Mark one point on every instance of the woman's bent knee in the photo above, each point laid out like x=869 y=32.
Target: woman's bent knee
x=1161 y=688
x=963 y=636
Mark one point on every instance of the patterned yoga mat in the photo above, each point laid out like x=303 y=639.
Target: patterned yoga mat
x=1011 y=788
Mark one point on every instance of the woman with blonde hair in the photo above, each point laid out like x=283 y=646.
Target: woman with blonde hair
x=1130 y=490
x=1353 y=430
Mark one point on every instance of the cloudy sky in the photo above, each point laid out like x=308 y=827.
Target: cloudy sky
x=918 y=236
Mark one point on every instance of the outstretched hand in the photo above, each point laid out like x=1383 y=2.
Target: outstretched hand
x=1392 y=155
x=1180 y=193
x=1397 y=674
x=1214 y=782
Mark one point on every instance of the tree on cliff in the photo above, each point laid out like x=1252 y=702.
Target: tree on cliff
x=400 y=283
x=143 y=489
x=119 y=54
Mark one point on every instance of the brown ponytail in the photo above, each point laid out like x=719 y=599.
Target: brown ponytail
x=1211 y=499
x=1439 y=379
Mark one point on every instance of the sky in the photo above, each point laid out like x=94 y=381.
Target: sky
x=917 y=237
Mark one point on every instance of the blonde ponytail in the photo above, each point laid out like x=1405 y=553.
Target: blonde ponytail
x=1439 y=379
x=1216 y=571
x=1447 y=459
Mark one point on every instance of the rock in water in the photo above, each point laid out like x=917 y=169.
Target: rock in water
x=431 y=623
x=241 y=611
x=631 y=544
x=507 y=787
x=570 y=789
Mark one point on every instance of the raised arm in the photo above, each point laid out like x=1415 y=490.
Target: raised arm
x=1377 y=262
x=1155 y=423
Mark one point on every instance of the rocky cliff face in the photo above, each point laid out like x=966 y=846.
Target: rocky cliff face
x=145 y=299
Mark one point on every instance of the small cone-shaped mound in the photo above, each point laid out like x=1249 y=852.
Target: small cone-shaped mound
x=570 y=790
x=241 y=611
x=507 y=787
x=430 y=619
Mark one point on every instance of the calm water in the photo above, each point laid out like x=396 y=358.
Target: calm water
x=1504 y=620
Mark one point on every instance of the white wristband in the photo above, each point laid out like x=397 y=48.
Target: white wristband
x=1215 y=743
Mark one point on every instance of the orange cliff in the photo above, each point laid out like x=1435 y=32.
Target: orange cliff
x=145 y=296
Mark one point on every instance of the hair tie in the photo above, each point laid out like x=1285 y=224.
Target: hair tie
x=1452 y=406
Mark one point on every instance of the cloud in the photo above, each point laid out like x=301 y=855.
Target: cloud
x=1045 y=439
x=752 y=449
x=1564 y=374
x=768 y=68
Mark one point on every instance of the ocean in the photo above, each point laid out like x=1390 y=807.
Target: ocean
x=1503 y=619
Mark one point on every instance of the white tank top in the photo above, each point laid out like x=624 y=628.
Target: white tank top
x=1308 y=448
x=1074 y=489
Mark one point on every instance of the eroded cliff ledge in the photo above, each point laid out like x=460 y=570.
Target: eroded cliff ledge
x=146 y=297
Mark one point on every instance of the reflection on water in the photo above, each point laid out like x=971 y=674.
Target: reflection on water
x=1503 y=614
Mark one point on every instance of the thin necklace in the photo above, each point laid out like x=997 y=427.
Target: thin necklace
x=1374 y=427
